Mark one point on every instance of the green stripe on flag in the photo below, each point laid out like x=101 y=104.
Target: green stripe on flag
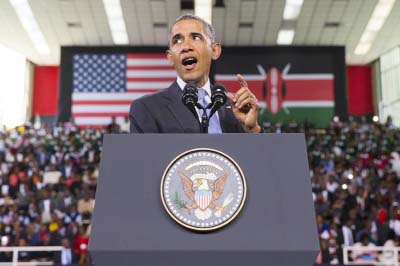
x=319 y=116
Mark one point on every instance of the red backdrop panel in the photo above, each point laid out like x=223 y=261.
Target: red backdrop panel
x=359 y=90
x=45 y=88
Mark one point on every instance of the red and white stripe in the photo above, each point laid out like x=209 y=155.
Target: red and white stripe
x=146 y=73
x=302 y=90
x=203 y=200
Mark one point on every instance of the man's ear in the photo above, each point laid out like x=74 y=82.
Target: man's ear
x=169 y=57
x=216 y=50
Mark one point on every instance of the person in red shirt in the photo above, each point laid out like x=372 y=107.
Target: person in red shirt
x=81 y=245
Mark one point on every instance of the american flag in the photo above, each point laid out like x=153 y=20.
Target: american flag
x=104 y=85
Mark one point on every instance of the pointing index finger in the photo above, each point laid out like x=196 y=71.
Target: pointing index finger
x=241 y=80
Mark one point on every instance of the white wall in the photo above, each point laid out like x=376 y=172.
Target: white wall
x=389 y=103
x=14 y=95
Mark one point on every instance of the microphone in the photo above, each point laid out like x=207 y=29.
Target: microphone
x=190 y=98
x=218 y=98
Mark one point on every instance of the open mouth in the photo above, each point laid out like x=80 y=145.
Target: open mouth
x=189 y=63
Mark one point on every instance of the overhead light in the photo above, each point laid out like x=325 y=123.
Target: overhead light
x=383 y=9
x=116 y=21
x=291 y=12
x=375 y=118
x=285 y=37
x=28 y=21
x=120 y=38
x=203 y=9
x=117 y=24
x=368 y=36
x=374 y=25
x=292 y=9
x=362 y=48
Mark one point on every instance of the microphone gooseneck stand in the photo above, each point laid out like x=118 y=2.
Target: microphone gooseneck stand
x=190 y=100
x=204 y=117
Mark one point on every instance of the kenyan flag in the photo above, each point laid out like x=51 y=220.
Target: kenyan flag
x=284 y=96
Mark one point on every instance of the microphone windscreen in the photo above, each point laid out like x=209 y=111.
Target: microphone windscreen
x=190 y=87
x=219 y=87
x=189 y=94
x=219 y=94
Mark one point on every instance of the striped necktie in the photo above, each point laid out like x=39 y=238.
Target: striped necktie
x=213 y=124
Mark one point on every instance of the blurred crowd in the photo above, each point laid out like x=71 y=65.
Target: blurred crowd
x=355 y=173
x=48 y=179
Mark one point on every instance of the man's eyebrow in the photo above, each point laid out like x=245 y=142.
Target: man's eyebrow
x=176 y=36
x=180 y=35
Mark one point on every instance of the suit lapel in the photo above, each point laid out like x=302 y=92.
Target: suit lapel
x=225 y=119
x=187 y=121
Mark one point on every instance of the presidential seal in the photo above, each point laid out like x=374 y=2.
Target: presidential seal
x=203 y=189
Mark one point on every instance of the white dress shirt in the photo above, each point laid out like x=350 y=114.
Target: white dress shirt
x=66 y=256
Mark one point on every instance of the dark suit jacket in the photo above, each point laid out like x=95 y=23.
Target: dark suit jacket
x=164 y=112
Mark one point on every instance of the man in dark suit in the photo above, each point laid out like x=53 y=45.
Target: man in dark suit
x=192 y=47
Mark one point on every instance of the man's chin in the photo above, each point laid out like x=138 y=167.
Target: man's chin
x=190 y=78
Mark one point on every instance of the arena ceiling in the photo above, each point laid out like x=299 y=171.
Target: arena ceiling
x=239 y=23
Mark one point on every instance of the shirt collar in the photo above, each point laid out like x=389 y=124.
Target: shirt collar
x=206 y=86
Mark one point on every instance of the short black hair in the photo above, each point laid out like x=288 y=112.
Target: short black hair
x=210 y=29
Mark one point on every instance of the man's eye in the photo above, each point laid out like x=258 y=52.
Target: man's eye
x=196 y=38
x=175 y=41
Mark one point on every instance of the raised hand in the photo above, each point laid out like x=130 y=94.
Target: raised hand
x=245 y=106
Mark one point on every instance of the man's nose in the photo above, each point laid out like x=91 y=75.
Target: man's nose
x=187 y=45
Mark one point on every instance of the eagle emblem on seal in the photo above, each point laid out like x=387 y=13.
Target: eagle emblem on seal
x=203 y=189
